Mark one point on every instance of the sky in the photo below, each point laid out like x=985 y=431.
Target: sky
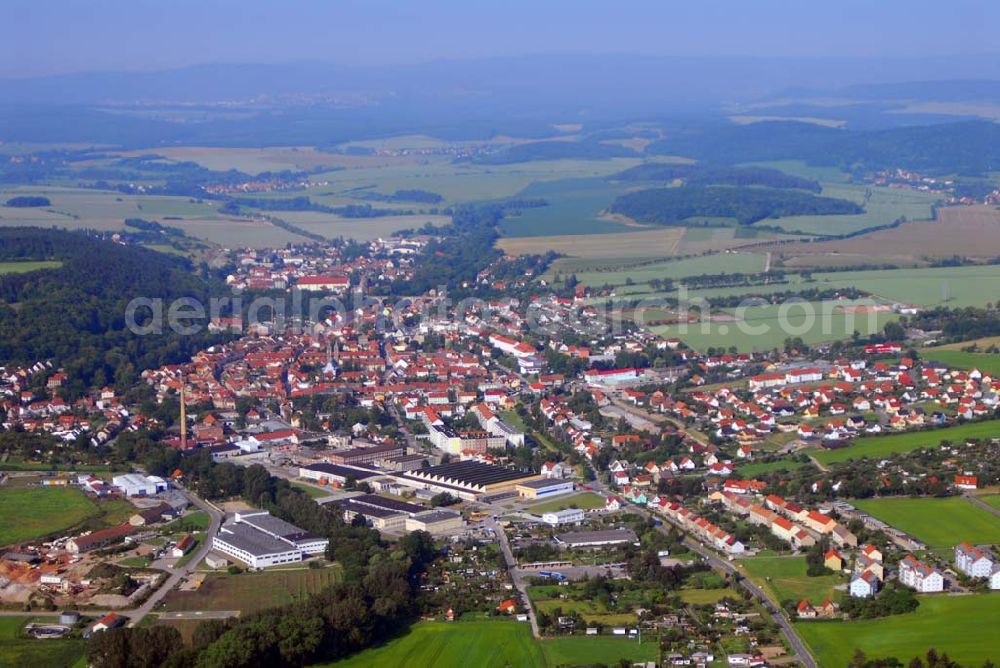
x=39 y=37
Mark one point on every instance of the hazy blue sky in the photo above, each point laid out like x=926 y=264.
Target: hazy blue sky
x=49 y=36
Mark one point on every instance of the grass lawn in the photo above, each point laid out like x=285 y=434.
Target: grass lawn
x=882 y=446
x=958 y=625
x=704 y=596
x=585 y=501
x=17 y=650
x=591 y=611
x=788 y=579
x=252 y=591
x=936 y=522
x=985 y=362
x=30 y=512
x=311 y=492
x=480 y=644
x=486 y=644
x=991 y=499
x=22 y=267
x=196 y=521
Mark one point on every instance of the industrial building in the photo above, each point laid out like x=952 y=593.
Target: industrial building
x=577 y=539
x=135 y=484
x=259 y=540
x=334 y=473
x=472 y=477
x=544 y=488
x=568 y=516
x=369 y=455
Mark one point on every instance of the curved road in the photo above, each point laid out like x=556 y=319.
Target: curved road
x=216 y=516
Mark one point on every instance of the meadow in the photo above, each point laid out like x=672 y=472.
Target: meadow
x=716 y=263
x=761 y=328
x=958 y=625
x=24 y=267
x=939 y=523
x=757 y=468
x=589 y=250
x=786 y=578
x=575 y=206
x=923 y=286
x=883 y=446
x=585 y=501
x=32 y=512
x=494 y=644
x=985 y=362
x=248 y=592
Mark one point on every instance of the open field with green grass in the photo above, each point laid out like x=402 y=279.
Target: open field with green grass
x=585 y=501
x=19 y=650
x=592 y=612
x=705 y=596
x=618 y=249
x=883 y=207
x=24 y=267
x=939 y=523
x=32 y=512
x=985 y=362
x=883 y=446
x=494 y=644
x=953 y=624
x=786 y=578
x=759 y=328
x=252 y=591
x=196 y=521
x=923 y=286
x=716 y=263
x=574 y=207
x=312 y=491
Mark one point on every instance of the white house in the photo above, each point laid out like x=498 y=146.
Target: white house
x=920 y=576
x=864 y=585
x=972 y=561
x=568 y=516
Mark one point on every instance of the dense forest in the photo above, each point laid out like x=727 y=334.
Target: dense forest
x=703 y=175
x=24 y=202
x=74 y=315
x=674 y=206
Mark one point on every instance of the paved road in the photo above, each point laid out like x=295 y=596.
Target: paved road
x=982 y=504
x=800 y=649
x=201 y=614
x=515 y=574
x=216 y=516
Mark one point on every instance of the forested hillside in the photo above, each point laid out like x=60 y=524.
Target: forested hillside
x=74 y=315
x=673 y=206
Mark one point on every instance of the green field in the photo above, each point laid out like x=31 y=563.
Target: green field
x=884 y=207
x=716 y=263
x=705 y=596
x=23 y=267
x=788 y=579
x=756 y=468
x=32 y=512
x=939 y=523
x=991 y=499
x=761 y=328
x=923 y=286
x=574 y=207
x=494 y=644
x=585 y=501
x=985 y=362
x=252 y=591
x=883 y=446
x=591 y=611
x=18 y=650
x=196 y=521
x=958 y=625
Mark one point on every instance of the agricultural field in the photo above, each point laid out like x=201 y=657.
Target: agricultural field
x=985 y=362
x=24 y=267
x=882 y=446
x=494 y=644
x=760 y=328
x=584 y=501
x=883 y=207
x=952 y=624
x=363 y=229
x=32 y=512
x=673 y=269
x=248 y=592
x=969 y=231
x=575 y=206
x=786 y=579
x=19 y=650
x=939 y=523
x=618 y=248
x=923 y=286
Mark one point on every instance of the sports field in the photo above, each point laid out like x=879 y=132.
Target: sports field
x=31 y=512
x=252 y=591
x=585 y=501
x=494 y=644
x=962 y=626
x=883 y=446
x=939 y=523
x=786 y=578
